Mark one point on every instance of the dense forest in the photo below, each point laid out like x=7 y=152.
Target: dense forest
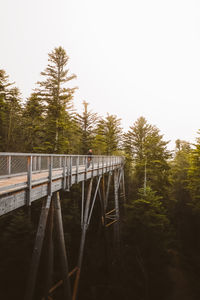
x=160 y=219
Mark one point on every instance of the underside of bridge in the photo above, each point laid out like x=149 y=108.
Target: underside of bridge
x=51 y=221
x=25 y=178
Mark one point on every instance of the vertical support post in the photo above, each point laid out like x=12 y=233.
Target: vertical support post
x=107 y=191
x=98 y=165
x=82 y=244
x=50 y=251
x=116 y=225
x=50 y=174
x=103 y=189
x=93 y=167
x=68 y=173
x=123 y=186
x=107 y=165
x=29 y=179
x=82 y=202
x=77 y=168
x=86 y=167
x=39 y=163
x=116 y=193
x=102 y=207
x=102 y=165
x=37 y=249
x=9 y=164
x=64 y=173
x=62 y=249
x=70 y=170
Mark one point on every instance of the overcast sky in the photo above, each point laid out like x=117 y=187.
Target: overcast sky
x=132 y=58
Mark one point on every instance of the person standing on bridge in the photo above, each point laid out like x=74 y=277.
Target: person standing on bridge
x=89 y=159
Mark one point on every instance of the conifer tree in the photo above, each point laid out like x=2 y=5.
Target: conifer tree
x=194 y=173
x=149 y=154
x=108 y=135
x=179 y=171
x=99 y=143
x=33 y=124
x=112 y=133
x=87 y=122
x=58 y=100
x=10 y=114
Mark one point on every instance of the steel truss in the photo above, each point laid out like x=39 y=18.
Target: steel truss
x=51 y=217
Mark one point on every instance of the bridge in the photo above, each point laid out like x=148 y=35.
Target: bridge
x=27 y=177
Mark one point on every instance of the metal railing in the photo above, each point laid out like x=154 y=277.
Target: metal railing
x=15 y=164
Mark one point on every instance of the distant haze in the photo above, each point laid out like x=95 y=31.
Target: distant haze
x=131 y=58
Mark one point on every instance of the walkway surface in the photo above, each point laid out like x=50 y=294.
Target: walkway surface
x=25 y=178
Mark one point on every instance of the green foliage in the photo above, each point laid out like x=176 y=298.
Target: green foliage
x=10 y=114
x=145 y=146
x=58 y=100
x=86 y=122
x=179 y=171
x=194 y=173
x=33 y=124
x=108 y=135
x=147 y=217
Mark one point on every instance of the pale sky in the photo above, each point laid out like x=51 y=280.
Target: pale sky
x=132 y=58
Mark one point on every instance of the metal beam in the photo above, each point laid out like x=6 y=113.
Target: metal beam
x=62 y=249
x=49 y=250
x=37 y=249
x=82 y=243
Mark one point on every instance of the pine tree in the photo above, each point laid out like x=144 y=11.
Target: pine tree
x=179 y=171
x=87 y=122
x=108 y=135
x=150 y=156
x=194 y=173
x=33 y=124
x=58 y=100
x=10 y=114
x=99 y=143
x=112 y=132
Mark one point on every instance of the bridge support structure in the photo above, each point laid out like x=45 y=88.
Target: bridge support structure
x=51 y=217
x=25 y=178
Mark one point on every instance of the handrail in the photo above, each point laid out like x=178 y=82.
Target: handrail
x=50 y=154
x=15 y=164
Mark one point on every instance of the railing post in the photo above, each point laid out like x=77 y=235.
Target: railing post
x=68 y=173
x=9 y=164
x=86 y=167
x=70 y=170
x=98 y=165
x=93 y=167
x=39 y=163
x=50 y=174
x=64 y=173
x=29 y=179
x=77 y=168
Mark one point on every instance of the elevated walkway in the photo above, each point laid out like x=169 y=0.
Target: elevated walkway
x=25 y=178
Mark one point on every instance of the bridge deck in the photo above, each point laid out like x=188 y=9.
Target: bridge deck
x=17 y=190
